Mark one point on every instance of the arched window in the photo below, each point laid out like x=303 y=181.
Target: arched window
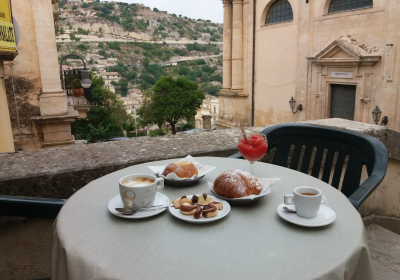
x=345 y=5
x=280 y=11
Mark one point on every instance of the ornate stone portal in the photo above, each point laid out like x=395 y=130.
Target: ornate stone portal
x=343 y=62
x=233 y=100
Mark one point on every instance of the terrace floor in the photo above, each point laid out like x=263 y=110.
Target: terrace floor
x=29 y=255
x=384 y=246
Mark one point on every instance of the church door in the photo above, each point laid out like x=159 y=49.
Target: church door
x=343 y=98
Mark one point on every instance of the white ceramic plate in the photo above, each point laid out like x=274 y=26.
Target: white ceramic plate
x=190 y=219
x=324 y=217
x=243 y=200
x=116 y=202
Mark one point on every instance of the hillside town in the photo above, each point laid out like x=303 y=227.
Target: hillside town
x=107 y=46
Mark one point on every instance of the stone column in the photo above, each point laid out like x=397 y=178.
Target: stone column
x=53 y=101
x=227 y=46
x=6 y=137
x=237 y=46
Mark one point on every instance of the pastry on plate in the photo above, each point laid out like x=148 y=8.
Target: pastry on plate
x=235 y=183
x=182 y=169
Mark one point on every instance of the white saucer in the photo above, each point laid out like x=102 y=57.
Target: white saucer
x=324 y=217
x=190 y=219
x=116 y=202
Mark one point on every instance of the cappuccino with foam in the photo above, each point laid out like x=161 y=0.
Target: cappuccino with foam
x=138 y=182
x=139 y=190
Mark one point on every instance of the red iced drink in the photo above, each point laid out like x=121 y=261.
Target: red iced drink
x=254 y=149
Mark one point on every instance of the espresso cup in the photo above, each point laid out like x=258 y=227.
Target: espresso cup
x=307 y=201
x=139 y=190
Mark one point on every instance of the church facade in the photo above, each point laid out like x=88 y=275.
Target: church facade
x=337 y=58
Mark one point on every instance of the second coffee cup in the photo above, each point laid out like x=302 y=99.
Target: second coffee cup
x=307 y=201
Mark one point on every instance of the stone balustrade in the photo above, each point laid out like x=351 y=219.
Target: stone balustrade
x=59 y=172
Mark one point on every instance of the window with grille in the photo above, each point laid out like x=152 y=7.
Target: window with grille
x=280 y=11
x=345 y=5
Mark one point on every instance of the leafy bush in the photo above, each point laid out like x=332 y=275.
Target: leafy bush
x=83 y=31
x=114 y=45
x=103 y=53
x=208 y=69
x=183 y=70
x=148 y=78
x=158 y=132
x=82 y=47
x=131 y=75
x=128 y=24
x=210 y=89
x=100 y=45
x=137 y=51
x=84 y=5
x=217 y=77
x=156 y=10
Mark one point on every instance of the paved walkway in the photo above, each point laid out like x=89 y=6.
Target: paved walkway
x=384 y=246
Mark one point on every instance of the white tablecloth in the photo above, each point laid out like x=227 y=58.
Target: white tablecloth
x=252 y=242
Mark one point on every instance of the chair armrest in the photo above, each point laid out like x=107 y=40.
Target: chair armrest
x=363 y=191
x=237 y=155
x=36 y=207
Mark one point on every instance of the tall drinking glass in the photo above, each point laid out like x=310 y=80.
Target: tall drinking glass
x=253 y=149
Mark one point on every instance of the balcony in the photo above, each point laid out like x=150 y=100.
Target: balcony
x=80 y=103
x=60 y=172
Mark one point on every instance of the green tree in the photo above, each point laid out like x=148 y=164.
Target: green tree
x=156 y=10
x=183 y=70
x=148 y=78
x=74 y=7
x=122 y=87
x=170 y=101
x=146 y=62
x=106 y=118
x=131 y=75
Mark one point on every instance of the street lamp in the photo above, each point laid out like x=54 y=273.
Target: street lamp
x=292 y=104
x=85 y=82
x=376 y=114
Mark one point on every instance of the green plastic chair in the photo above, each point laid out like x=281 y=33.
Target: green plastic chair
x=34 y=207
x=360 y=150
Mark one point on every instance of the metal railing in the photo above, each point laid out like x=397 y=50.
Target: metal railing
x=86 y=99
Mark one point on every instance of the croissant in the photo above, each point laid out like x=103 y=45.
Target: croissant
x=235 y=183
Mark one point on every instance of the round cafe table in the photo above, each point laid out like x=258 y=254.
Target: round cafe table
x=251 y=242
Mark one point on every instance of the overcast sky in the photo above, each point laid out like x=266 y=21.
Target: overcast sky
x=204 y=9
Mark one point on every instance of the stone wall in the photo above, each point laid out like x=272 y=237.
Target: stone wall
x=59 y=172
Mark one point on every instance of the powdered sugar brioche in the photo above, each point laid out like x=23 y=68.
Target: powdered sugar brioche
x=235 y=183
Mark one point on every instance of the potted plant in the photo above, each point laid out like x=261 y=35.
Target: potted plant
x=75 y=83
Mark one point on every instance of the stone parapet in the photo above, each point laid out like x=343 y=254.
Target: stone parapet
x=59 y=172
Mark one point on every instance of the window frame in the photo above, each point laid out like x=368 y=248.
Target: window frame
x=328 y=12
x=271 y=6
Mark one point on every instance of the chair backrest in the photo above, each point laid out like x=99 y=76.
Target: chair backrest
x=35 y=207
x=303 y=146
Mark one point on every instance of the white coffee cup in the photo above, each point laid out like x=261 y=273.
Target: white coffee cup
x=136 y=194
x=307 y=201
